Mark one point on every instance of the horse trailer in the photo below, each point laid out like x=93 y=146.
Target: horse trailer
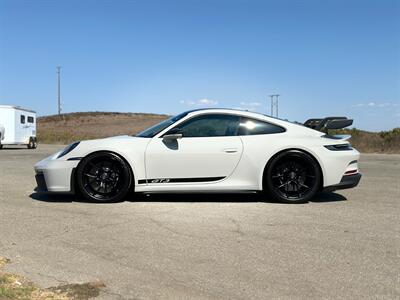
x=18 y=126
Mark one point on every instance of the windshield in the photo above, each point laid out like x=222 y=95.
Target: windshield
x=155 y=129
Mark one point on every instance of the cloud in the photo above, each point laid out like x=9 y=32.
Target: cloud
x=252 y=106
x=200 y=102
x=384 y=104
x=376 y=104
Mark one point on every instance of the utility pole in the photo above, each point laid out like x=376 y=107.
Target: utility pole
x=59 y=89
x=277 y=105
x=274 y=104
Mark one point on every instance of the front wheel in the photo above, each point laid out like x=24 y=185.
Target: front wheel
x=103 y=177
x=293 y=177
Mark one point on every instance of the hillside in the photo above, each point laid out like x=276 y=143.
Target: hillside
x=374 y=142
x=90 y=125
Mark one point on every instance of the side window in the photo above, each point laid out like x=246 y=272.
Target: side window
x=253 y=127
x=31 y=119
x=210 y=125
x=22 y=119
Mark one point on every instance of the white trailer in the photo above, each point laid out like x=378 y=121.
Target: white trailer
x=19 y=126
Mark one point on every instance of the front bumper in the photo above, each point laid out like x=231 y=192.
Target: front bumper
x=41 y=183
x=55 y=175
x=347 y=182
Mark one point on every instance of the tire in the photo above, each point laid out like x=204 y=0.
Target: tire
x=31 y=144
x=292 y=177
x=104 y=177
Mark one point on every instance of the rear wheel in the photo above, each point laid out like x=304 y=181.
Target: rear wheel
x=104 y=177
x=32 y=143
x=293 y=177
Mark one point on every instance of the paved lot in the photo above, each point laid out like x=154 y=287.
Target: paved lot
x=343 y=245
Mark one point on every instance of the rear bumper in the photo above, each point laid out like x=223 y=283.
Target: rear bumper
x=347 y=182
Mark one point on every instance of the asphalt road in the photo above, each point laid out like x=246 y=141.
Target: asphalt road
x=343 y=245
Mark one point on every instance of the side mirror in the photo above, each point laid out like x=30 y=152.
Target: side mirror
x=173 y=134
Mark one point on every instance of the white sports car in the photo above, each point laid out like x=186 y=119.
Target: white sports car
x=208 y=150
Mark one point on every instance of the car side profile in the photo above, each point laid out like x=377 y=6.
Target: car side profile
x=207 y=150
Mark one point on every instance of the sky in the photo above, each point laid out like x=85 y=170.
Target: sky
x=323 y=57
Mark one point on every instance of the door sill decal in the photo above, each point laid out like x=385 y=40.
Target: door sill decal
x=178 y=180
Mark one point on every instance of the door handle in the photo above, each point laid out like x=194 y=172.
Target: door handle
x=230 y=150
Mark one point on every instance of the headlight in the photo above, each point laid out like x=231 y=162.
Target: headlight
x=68 y=149
x=340 y=147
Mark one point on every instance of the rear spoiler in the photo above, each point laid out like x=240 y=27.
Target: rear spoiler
x=328 y=123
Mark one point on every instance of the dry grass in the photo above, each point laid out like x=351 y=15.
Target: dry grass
x=19 y=288
x=374 y=142
x=90 y=125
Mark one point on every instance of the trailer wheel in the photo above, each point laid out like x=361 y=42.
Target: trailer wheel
x=32 y=143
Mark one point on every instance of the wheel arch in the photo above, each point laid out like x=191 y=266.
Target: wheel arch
x=321 y=183
x=74 y=173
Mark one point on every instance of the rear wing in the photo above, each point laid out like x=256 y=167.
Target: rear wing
x=328 y=123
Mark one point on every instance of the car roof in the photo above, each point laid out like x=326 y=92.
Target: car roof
x=245 y=113
x=255 y=115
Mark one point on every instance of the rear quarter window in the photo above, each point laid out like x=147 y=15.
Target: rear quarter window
x=255 y=127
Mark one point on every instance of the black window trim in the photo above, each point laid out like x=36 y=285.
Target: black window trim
x=22 y=119
x=201 y=115
x=30 y=118
x=241 y=117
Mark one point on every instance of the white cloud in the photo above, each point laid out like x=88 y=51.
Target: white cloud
x=376 y=104
x=384 y=104
x=200 y=102
x=250 y=104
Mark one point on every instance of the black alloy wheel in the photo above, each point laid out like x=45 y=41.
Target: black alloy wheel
x=104 y=177
x=293 y=177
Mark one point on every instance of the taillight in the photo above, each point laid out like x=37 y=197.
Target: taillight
x=352 y=168
x=351 y=172
x=339 y=147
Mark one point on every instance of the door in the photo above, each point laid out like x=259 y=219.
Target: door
x=208 y=151
x=20 y=127
x=31 y=126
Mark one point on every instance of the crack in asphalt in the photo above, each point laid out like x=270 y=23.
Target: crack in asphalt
x=165 y=227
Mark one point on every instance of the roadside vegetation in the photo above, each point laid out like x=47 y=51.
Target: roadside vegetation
x=374 y=142
x=67 y=128
x=20 y=288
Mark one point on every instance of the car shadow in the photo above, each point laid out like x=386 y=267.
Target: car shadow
x=328 y=197
x=187 y=197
